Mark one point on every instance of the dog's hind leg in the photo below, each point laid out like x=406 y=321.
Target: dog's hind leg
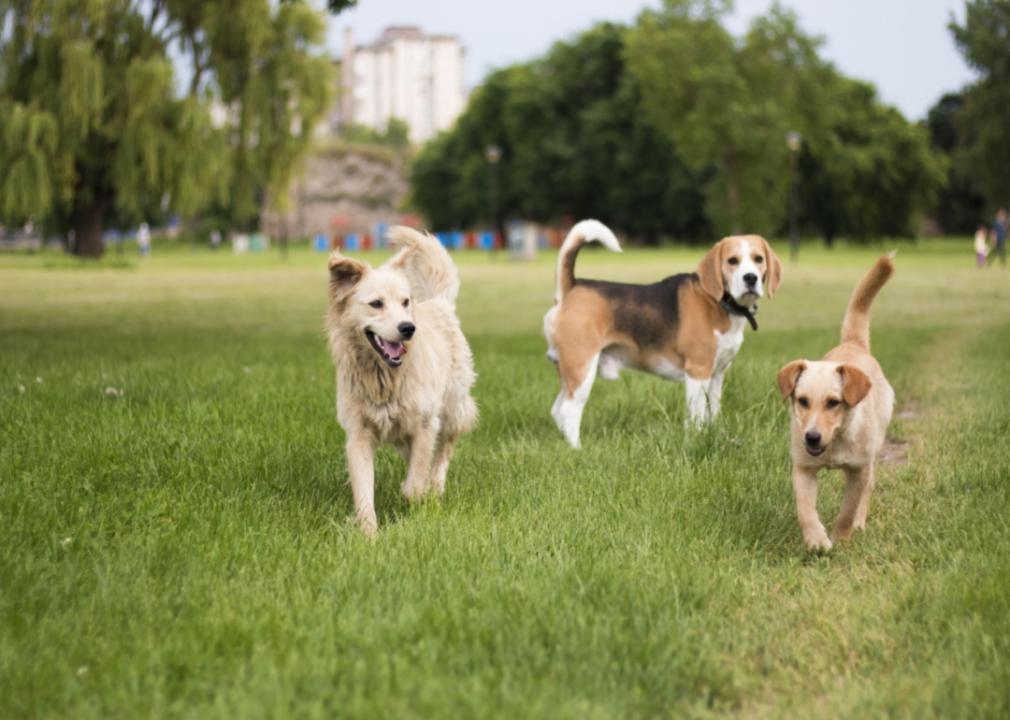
x=864 y=502
x=441 y=466
x=567 y=410
x=552 y=352
x=422 y=448
x=361 y=468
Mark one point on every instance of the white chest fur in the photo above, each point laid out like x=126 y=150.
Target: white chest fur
x=728 y=344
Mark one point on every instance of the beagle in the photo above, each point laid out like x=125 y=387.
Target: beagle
x=687 y=327
x=841 y=407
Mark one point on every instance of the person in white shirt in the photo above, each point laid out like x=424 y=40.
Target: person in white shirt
x=981 y=245
x=144 y=239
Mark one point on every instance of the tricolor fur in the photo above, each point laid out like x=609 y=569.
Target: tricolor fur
x=404 y=370
x=677 y=328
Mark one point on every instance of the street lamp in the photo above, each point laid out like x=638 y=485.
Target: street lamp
x=793 y=141
x=493 y=155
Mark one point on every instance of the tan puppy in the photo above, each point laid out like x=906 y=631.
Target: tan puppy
x=686 y=327
x=404 y=369
x=841 y=407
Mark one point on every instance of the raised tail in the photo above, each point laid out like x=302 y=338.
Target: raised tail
x=583 y=232
x=427 y=265
x=856 y=324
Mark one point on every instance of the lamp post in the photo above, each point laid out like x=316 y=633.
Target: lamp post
x=493 y=155
x=793 y=141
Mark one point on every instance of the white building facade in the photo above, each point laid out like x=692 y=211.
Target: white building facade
x=404 y=74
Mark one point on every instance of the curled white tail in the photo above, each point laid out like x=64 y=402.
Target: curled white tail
x=583 y=232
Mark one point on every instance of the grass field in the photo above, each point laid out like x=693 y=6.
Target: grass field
x=176 y=534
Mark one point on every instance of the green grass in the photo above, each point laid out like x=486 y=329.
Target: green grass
x=185 y=549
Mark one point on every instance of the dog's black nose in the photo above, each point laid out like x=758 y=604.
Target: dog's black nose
x=813 y=438
x=406 y=330
x=751 y=279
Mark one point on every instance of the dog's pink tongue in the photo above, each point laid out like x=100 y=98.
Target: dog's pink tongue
x=394 y=350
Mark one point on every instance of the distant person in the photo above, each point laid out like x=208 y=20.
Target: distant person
x=144 y=239
x=215 y=239
x=999 y=233
x=981 y=245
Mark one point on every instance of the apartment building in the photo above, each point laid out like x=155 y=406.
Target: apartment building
x=404 y=74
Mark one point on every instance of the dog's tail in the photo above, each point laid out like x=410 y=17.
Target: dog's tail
x=856 y=325
x=583 y=232
x=427 y=265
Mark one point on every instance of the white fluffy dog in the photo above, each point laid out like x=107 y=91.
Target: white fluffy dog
x=404 y=369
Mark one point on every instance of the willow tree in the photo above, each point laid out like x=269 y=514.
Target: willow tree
x=93 y=123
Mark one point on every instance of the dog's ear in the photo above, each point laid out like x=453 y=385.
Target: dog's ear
x=774 y=276
x=855 y=384
x=345 y=273
x=789 y=375
x=710 y=271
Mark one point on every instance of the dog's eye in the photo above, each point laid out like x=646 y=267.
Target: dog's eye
x=832 y=404
x=406 y=303
x=734 y=261
x=377 y=304
x=803 y=402
x=759 y=259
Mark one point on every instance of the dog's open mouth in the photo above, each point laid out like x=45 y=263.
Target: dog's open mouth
x=815 y=451
x=391 y=352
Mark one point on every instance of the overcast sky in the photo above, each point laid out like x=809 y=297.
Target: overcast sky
x=903 y=46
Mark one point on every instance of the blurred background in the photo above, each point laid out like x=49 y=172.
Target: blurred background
x=254 y=126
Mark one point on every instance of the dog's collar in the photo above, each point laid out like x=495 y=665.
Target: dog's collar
x=730 y=305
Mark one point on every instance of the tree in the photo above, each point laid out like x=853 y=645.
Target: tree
x=675 y=127
x=92 y=126
x=728 y=105
x=869 y=172
x=959 y=206
x=574 y=143
x=984 y=40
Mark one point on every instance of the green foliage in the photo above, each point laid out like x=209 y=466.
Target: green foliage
x=395 y=136
x=93 y=128
x=335 y=6
x=675 y=127
x=984 y=152
x=729 y=103
x=28 y=139
x=573 y=141
x=870 y=171
x=959 y=206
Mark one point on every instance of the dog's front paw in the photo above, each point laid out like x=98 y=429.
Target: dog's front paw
x=412 y=491
x=817 y=540
x=437 y=487
x=845 y=532
x=368 y=525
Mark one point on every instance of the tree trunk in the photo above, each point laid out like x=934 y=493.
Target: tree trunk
x=732 y=190
x=88 y=230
